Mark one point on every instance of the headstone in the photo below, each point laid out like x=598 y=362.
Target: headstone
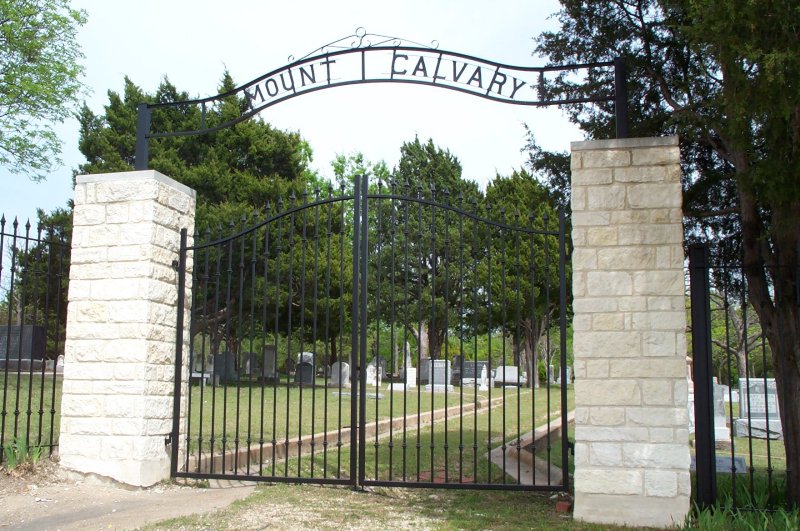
x=759 y=413
x=381 y=364
x=409 y=381
x=472 y=371
x=569 y=374
x=305 y=357
x=269 y=358
x=373 y=375
x=721 y=430
x=507 y=375
x=424 y=369
x=550 y=374
x=250 y=362
x=725 y=465
x=484 y=379
x=304 y=374
x=340 y=374
x=439 y=371
x=25 y=342
x=224 y=368
x=407 y=363
x=455 y=375
x=60 y=364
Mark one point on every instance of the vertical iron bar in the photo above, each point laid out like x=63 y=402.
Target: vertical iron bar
x=176 y=403
x=548 y=345
x=301 y=349
x=290 y=296
x=621 y=97
x=356 y=421
x=562 y=316
x=446 y=297
x=533 y=377
x=21 y=318
x=503 y=330
x=518 y=344
x=238 y=358
x=142 y=135
x=328 y=337
x=489 y=337
x=10 y=295
x=420 y=269
x=276 y=379
x=406 y=324
x=264 y=352
x=251 y=360
x=363 y=257
x=228 y=287
x=314 y=332
x=432 y=324
x=703 y=397
x=476 y=303
x=392 y=320
x=461 y=288
x=377 y=324
x=215 y=348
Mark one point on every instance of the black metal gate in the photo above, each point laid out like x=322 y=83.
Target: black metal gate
x=375 y=337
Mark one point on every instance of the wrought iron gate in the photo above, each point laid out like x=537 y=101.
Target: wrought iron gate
x=374 y=337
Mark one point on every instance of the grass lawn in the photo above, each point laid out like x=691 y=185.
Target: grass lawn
x=453 y=448
x=31 y=408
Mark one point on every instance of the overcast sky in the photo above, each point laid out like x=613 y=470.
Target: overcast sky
x=192 y=42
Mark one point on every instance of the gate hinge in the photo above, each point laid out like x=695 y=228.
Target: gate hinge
x=175 y=265
x=571 y=446
x=168 y=439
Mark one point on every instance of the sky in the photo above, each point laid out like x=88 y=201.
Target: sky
x=193 y=42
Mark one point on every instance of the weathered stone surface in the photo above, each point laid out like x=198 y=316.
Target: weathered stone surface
x=629 y=336
x=119 y=350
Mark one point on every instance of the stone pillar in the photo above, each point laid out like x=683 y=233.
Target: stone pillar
x=631 y=435
x=116 y=409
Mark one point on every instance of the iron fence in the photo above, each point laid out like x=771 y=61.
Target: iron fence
x=376 y=337
x=735 y=400
x=34 y=272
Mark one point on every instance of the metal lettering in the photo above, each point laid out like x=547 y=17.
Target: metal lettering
x=436 y=73
x=327 y=62
x=499 y=80
x=476 y=76
x=458 y=75
x=312 y=77
x=274 y=92
x=250 y=97
x=291 y=78
x=420 y=68
x=516 y=86
x=395 y=55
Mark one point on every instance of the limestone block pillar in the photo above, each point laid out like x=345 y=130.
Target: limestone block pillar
x=117 y=397
x=631 y=425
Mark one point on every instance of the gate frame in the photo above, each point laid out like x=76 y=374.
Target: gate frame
x=359 y=308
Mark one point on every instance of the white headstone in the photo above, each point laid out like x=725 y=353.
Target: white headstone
x=305 y=357
x=550 y=376
x=721 y=430
x=759 y=413
x=340 y=374
x=373 y=375
x=60 y=364
x=507 y=375
x=484 y=379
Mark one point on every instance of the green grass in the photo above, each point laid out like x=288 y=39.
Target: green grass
x=31 y=410
x=453 y=451
x=436 y=447
x=287 y=506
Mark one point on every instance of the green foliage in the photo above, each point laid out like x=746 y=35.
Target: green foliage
x=17 y=453
x=722 y=75
x=41 y=81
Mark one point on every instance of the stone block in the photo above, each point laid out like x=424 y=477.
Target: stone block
x=633 y=511
x=669 y=155
x=641 y=174
x=610 y=197
x=602 y=236
x=670 y=282
x=626 y=258
x=605 y=454
x=605 y=158
x=592 y=176
x=655 y=195
x=609 y=283
x=607 y=392
x=609 y=481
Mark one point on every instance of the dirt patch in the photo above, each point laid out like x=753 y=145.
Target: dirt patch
x=47 y=497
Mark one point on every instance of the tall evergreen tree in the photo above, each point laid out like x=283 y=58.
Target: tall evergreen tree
x=723 y=74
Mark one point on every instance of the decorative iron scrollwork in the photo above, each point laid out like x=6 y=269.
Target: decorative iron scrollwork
x=361 y=39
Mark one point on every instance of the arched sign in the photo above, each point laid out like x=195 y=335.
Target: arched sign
x=367 y=58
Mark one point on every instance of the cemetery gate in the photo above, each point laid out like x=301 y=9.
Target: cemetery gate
x=375 y=335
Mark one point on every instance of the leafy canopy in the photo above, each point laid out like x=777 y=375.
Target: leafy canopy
x=40 y=81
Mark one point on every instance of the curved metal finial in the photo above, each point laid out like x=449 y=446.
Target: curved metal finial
x=361 y=39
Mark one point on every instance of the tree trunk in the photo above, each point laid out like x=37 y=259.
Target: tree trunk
x=774 y=299
x=421 y=337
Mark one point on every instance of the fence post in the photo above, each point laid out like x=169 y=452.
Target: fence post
x=703 y=390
